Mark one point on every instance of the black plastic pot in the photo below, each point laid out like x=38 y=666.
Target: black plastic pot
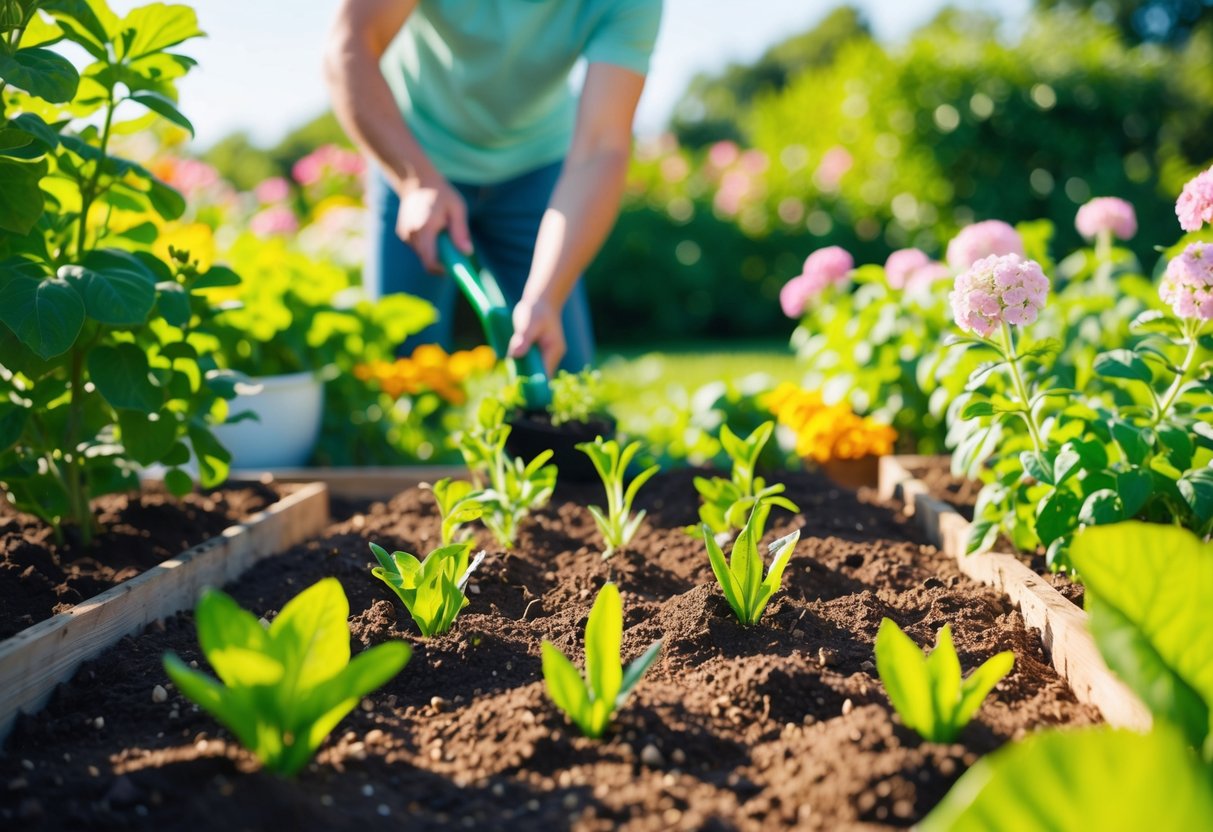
x=532 y=433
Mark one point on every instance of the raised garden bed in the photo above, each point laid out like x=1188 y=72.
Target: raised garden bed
x=1062 y=625
x=36 y=659
x=781 y=725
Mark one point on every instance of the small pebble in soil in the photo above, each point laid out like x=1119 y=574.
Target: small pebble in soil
x=264 y=622
x=847 y=706
x=383 y=810
x=827 y=656
x=374 y=736
x=159 y=694
x=326 y=800
x=367 y=790
x=867 y=666
x=99 y=723
x=28 y=765
x=678 y=757
x=437 y=703
x=497 y=790
x=194 y=663
x=651 y=757
x=570 y=801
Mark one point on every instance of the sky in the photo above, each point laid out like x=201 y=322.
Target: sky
x=260 y=66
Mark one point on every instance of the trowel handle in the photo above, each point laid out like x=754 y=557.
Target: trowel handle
x=482 y=291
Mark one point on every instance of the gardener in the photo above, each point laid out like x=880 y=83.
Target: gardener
x=466 y=106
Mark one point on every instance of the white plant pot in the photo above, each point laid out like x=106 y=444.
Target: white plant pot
x=289 y=410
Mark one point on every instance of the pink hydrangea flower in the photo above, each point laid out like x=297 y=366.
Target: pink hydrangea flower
x=1195 y=205
x=1106 y=214
x=835 y=164
x=823 y=267
x=274 y=189
x=983 y=239
x=998 y=289
x=1187 y=285
x=275 y=220
x=901 y=263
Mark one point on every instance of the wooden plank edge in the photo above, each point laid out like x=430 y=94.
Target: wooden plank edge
x=39 y=658
x=372 y=483
x=1063 y=626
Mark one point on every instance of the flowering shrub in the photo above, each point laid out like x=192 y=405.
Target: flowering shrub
x=981 y=240
x=1195 y=205
x=1106 y=215
x=825 y=433
x=430 y=369
x=824 y=267
x=1133 y=443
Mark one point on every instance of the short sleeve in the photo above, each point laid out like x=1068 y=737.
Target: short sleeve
x=626 y=34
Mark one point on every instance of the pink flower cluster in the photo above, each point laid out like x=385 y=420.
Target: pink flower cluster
x=327 y=159
x=822 y=268
x=911 y=269
x=1106 y=214
x=1187 y=285
x=274 y=189
x=983 y=239
x=273 y=221
x=1195 y=205
x=998 y=289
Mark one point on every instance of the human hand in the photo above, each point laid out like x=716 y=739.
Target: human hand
x=428 y=207
x=537 y=322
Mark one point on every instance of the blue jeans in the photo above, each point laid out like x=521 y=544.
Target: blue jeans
x=504 y=222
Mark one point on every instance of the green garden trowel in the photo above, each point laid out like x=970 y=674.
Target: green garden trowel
x=482 y=291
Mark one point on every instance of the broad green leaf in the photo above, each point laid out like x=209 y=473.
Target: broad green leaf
x=903 y=671
x=311 y=635
x=603 y=640
x=40 y=72
x=158 y=26
x=122 y=376
x=174 y=303
x=116 y=290
x=1134 y=487
x=1101 y=508
x=1106 y=779
x=1147 y=591
x=565 y=685
x=164 y=106
x=214 y=461
x=1197 y=490
x=1057 y=515
x=12 y=424
x=213 y=697
x=46 y=314
x=1123 y=364
x=178 y=482
x=975 y=409
x=234 y=642
x=746 y=564
x=146 y=439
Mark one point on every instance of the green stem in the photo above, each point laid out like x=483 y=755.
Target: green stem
x=1192 y=333
x=1021 y=390
x=1103 y=257
x=77 y=494
x=89 y=192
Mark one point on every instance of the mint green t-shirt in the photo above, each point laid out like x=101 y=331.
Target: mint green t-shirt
x=484 y=84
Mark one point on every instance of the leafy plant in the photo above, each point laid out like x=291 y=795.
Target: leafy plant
x=458 y=502
x=576 y=397
x=99 y=372
x=1150 y=598
x=431 y=589
x=514 y=488
x=618 y=525
x=285 y=687
x=728 y=503
x=929 y=692
x=591 y=701
x=740 y=578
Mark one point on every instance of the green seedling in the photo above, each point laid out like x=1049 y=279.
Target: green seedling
x=576 y=397
x=431 y=589
x=459 y=502
x=286 y=686
x=740 y=578
x=618 y=525
x=590 y=702
x=928 y=691
x=727 y=503
x=514 y=488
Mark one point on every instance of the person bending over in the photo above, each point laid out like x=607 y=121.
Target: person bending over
x=467 y=111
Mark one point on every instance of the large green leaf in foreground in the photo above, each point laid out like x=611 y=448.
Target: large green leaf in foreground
x=1150 y=596
x=1074 y=781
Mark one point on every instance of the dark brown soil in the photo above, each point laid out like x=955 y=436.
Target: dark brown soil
x=39 y=577
x=961 y=494
x=784 y=725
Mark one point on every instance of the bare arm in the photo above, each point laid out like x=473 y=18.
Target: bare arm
x=365 y=107
x=582 y=209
